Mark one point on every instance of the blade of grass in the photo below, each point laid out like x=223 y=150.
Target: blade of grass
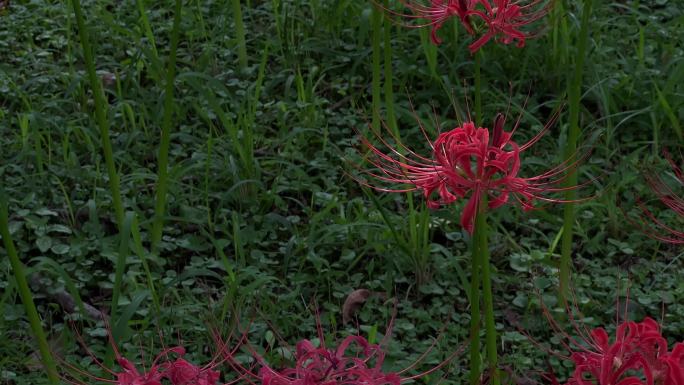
x=575 y=93
x=163 y=157
x=101 y=107
x=478 y=88
x=376 y=29
x=37 y=144
x=389 y=92
x=25 y=293
x=240 y=34
x=142 y=254
x=146 y=25
x=430 y=51
x=121 y=323
x=671 y=116
x=124 y=249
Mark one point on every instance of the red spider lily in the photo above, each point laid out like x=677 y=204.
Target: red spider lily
x=637 y=355
x=129 y=374
x=355 y=361
x=181 y=372
x=501 y=19
x=505 y=19
x=322 y=366
x=654 y=227
x=177 y=372
x=468 y=162
x=440 y=11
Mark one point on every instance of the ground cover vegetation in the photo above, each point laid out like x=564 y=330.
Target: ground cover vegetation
x=197 y=181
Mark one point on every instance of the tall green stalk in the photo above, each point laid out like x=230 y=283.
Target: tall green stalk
x=120 y=268
x=389 y=88
x=101 y=107
x=25 y=293
x=482 y=231
x=478 y=89
x=163 y=157
x=146 y=26
x=240 y=34
x=575 y=93
x=475 y=263
x=375 y=82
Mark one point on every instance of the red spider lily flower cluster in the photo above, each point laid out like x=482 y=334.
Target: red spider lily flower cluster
x=322 y=366
x=638 y=355
x=468 y=162
x=355 y=361
x=177 y=371
x=654 y=227
x=502 y=20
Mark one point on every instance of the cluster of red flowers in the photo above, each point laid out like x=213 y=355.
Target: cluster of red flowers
x=177 y=371
x=322 y=366
x=354 y=362
x=502 y=19
x=639 y=355
x=469 y=161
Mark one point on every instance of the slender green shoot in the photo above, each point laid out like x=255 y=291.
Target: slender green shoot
x=376 y=29
x=25 y=293
x=240 y=34
x=101 y=107
x=575 y=93
x=475 y=263
x=163 y=157
x=23 y=123
x=670 y=113
x=430 y=51
x=142 y=254
x=37 y=145
x=389 y=92
x=477 y=255
x=478 y=89
x=124 y=248
x=146 y=26
x=119 y=268
x=482 y=231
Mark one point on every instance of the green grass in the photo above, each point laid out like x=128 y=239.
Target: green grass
x=570 y=152
x=260 y=216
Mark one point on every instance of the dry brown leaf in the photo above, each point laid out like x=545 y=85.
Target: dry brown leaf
x=353 y=303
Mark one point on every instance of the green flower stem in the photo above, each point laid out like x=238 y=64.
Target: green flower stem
x=475 y=367
x=389 y=92
x=146 y=26
x=476 y=259
x=478 y=89
x=101 y=107
x=574 y=92
x=240 y=34
x=376 y=73
x=163 y=157
x=481 y=229
x=119 y=269
x=25 y=293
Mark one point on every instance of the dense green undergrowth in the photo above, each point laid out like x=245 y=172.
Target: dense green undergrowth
x=263 y=216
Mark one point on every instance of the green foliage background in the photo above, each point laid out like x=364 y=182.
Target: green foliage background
x=262 y=215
